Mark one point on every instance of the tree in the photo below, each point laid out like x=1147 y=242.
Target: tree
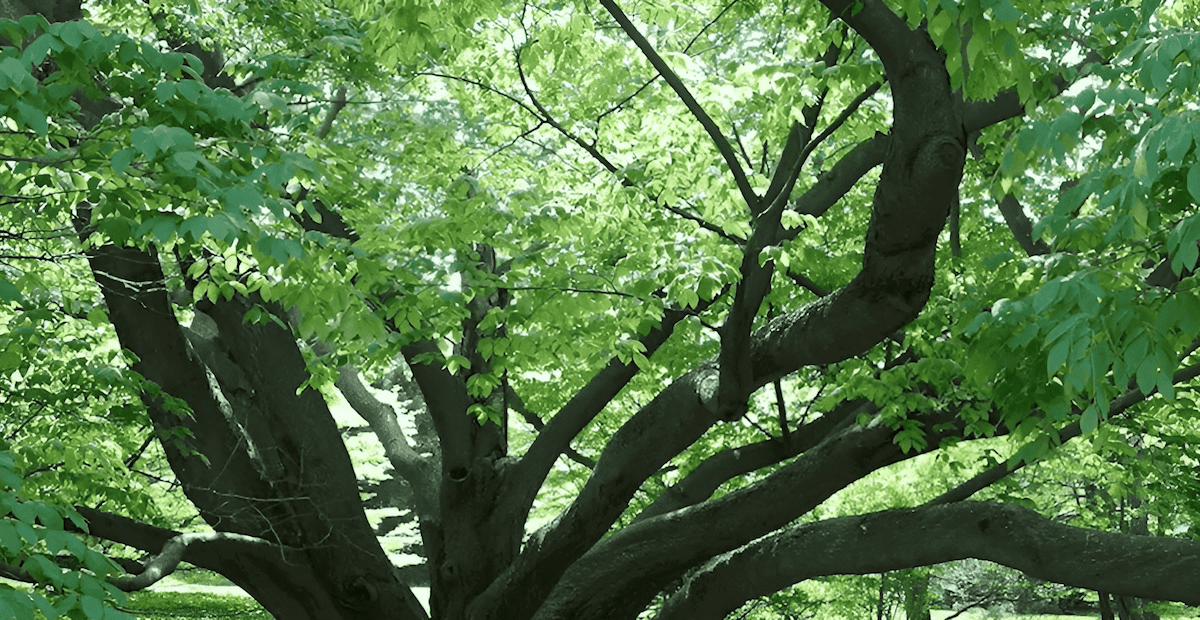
x=556 y=222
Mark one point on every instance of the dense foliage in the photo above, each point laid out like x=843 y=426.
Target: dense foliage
x=658 y=290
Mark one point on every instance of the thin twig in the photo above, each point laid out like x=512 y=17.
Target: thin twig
x=546 y=116
x=705 y=224
x=714 y=132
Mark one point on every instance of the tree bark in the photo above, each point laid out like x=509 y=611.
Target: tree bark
x=255 y=457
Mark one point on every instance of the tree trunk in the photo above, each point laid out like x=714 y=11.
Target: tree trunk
x=882 y=587
x=1106 y=612
x=916 y=595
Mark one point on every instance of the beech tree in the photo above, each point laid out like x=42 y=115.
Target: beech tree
x=659 y=278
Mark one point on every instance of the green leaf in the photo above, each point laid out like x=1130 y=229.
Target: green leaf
x=32 y=118
x=17 y=74
x=242 y=197
x=92 y=607
x=1090 y=419
x=164 y=91
x=1147 y=374
x=121 y=159
x=9 y=291
x=1193 y=182
x=143 y=140
x=1057 y=356
x=1047 y=295
x=173 y=138
x=10 y=478
x=9 y=538
x=454 y=362
x=36 y=51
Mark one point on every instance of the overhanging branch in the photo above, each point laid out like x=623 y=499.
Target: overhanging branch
x=1142 y=566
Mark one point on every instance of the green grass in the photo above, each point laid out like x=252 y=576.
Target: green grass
x=193 y=605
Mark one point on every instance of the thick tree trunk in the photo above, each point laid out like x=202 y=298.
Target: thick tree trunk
x=255 y=457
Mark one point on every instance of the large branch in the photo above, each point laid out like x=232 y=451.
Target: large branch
x=1022 y=229
x=623 y=572
x=1141 y=566
x=135 y=293
x=447 y=399
x=555 y=438
x=217 y=552
x=671 y=422
x=1007 y=104
x=728 y=464
x=922 y=168
x=248 y=561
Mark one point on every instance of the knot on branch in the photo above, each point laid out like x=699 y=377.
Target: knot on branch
x=939 y=160
x=708 y=383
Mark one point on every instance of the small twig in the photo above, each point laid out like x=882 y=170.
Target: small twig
x=549 y=119
x=783 y=419
x=705 y=224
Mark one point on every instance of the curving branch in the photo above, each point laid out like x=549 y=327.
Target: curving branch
x=166 y=561
x=620 y=574
x=420 y=471
x=555 y=438
x=1142 y=566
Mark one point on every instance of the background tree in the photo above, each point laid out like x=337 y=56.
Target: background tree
x=666 y=278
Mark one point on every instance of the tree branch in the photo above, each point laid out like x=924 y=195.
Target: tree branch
x=1021 y=227
x=172 y=552
x=549 y=120
x=339 y=102
x=714 y=132
x=1117 y=407
x=726 y=465
x=620 y=574
x=1142 y=566
x=418 y=470
x=705 y=224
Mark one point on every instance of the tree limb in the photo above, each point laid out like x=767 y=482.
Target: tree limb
x=1143 y=566
x=1022 y=229
x=1117 y=407
x=339 y=102
x=620 y=574
x=726 y=465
